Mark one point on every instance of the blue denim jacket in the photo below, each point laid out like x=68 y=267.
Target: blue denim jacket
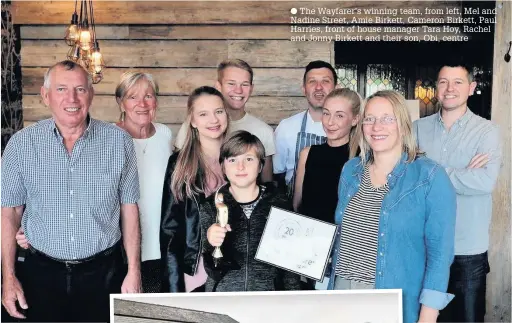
x=416 y=232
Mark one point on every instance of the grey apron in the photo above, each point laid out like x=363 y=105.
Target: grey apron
x=304 y=139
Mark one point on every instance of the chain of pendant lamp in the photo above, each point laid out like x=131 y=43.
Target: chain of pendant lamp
x=81 y=37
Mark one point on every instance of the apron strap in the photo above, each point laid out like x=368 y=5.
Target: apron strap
x=298 y=144
x=304 y=122
x=304 y=139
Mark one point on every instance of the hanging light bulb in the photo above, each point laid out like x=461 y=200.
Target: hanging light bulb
x=74 y=53
x=71 y=35
x=85 y=49
x=84 y=63
x=85 y=55
x=72 y=31
x=97 y=77
x=96 y=59
x=85 y=37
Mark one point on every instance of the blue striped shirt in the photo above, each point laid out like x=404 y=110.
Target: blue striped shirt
x=72 y=201
x=454 y=149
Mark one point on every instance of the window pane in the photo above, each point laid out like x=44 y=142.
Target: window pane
x=347 y=76
x=425 y=90
x=385 y=77
x=480 y=101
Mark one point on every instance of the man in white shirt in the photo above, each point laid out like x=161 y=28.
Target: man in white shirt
x=303 y=129
x=234 y=81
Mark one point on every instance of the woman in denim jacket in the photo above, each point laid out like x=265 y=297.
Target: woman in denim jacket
x=395 y=214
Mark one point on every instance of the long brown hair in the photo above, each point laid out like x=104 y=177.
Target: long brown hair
x=192 y=171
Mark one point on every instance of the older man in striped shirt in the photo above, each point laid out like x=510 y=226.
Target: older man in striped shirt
x=71 y=182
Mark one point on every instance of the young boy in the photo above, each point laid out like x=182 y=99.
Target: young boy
x=248 y=203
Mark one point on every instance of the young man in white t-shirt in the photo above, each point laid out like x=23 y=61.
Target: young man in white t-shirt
x=234 y=81
x=303 y=129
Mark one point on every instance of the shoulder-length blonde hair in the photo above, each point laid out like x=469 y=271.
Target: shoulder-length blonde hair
x=192 y=171
x=403 y=119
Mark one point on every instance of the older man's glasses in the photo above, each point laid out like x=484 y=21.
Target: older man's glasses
x=385 y=120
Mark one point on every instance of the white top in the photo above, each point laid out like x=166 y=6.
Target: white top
x=152 y=157
x=286 y=141
x=249 y=123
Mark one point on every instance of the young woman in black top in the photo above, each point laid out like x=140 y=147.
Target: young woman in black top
x=319 y=167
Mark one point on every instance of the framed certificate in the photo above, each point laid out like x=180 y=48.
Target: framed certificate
x=296 y=243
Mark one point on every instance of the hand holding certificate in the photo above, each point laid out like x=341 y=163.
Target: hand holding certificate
x=296 y=243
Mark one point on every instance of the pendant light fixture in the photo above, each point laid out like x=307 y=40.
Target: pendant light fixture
x=81 y=37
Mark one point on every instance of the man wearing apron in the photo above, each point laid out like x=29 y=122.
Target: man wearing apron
x=303 y=129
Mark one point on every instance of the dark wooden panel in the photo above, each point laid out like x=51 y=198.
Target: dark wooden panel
x=226 y=32
x=181 y=81
x=280 y=53
x=198 y=12
x=166 y=32
x=57 y=32
x=125 y=53
x=183 y=53
x=168 y=313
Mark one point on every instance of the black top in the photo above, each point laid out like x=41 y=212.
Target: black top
x=321 y=178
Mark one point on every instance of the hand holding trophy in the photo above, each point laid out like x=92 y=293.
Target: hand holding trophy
x=222 y=220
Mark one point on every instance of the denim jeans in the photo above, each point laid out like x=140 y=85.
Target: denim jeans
x=468 y=277
x=58 y=291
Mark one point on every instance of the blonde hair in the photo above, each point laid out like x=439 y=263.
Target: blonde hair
x=191 y=173
x=403 y=119
x=128 y=81
x=356 y=102
x=235 y=62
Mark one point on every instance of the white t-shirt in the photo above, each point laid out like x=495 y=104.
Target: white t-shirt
x=152 y=157
x=249 y=123
x=286 y=141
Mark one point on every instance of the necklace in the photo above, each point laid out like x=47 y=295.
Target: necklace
x=144 y=148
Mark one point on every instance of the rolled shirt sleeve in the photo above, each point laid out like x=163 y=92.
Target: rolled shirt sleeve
x=439 y=240
x=269 y=142
x=129 y=192
x=435 y=299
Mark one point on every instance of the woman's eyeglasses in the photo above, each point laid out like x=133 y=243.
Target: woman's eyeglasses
x=385 y=120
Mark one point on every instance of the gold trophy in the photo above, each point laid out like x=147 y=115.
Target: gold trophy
x=222 y=220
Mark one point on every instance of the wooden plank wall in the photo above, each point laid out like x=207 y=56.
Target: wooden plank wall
x=181 y=43
x=498 y=281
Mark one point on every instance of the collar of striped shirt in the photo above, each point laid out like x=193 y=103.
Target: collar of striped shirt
x=52 y=126
x=461 y=121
